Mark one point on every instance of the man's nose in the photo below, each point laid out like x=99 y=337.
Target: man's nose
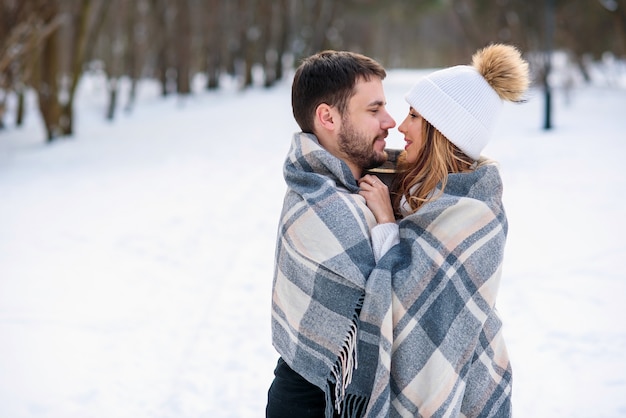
x=388 y=122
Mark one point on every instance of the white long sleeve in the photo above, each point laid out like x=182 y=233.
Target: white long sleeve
x=384 y=236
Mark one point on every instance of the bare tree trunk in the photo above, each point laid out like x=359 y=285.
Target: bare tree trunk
x=232 y=39
x=214 y=13
x=270 y=25
x=325 y=14
x=160 y=28
x=67 y=109
x=112 y=87
x=47 y=87
x=114 y=53
x=463 y=13
x=85 y=40
x=619 y=13
x=19 y=113
x=23 y=29
x=130 y=58
x=250 y=33
x=3 y=108
x=183 y=47
x=284 y=32
x=162 y=69
x=46 y=75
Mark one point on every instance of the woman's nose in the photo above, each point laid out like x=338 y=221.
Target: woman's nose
x=401 y=127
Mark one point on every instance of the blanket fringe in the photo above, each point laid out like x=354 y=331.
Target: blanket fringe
x=346 y=363
x=354 y=406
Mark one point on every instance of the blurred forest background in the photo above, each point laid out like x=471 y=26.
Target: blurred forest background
x=46 y=46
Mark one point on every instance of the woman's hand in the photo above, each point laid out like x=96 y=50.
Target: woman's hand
x=376 y=196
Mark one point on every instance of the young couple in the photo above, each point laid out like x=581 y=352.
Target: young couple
x=383 y=297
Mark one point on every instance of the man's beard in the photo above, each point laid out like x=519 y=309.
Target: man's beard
x=358 y=148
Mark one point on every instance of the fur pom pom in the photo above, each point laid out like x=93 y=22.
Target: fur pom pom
x=504 y=69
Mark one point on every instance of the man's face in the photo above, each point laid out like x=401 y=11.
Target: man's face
x=365 y=125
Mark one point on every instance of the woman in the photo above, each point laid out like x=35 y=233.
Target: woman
x=440 y=348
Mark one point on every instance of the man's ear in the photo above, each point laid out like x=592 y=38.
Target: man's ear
x=327 y=117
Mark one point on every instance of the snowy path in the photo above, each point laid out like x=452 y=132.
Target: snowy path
x=140 y=271
x=136 y=260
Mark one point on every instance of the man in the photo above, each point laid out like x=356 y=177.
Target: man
x=323 y=252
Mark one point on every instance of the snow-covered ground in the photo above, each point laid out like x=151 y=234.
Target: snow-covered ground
x=136 y=258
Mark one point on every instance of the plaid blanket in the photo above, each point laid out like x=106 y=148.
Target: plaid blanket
x=416 y=335
x=428 y=323
x=322 y=261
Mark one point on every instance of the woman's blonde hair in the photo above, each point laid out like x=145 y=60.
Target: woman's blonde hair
x=416 y=182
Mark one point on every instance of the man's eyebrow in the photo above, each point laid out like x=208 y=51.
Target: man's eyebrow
x=377 y=103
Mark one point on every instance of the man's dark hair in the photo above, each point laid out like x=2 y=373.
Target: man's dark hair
x=328 y=77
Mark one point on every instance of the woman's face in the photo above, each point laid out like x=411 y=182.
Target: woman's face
x=411 y=127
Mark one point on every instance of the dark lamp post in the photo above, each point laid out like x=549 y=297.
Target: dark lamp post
x=549 y=35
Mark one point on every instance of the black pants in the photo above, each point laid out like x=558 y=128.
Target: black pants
x=292 y=396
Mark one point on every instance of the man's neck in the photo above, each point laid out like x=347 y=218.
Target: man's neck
x=357 y=171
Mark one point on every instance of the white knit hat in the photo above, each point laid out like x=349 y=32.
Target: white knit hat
x=460 y=103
